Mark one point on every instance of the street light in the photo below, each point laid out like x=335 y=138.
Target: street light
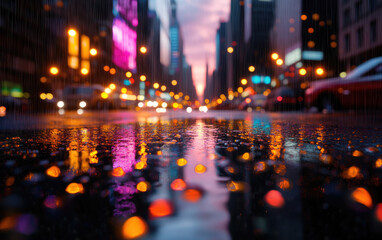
x=143 y=78
x=93 y=52
x=84 y=71
x=163 y=88
x=53 y=70
x=251 y=68
x=279 y=62
x=129 y=74
x=302 y=71
x=72 y=32
x=143 y=49
x=275 y=56
x=156 y=85
x=174 y=82
x=244 y=81
x=320 y=71
x=230 y=49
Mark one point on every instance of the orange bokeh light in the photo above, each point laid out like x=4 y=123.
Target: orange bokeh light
x=53 y=171
x=378 y=212
x=200 y=168
x=181 y=162
x=134 y=227
x=178 y=185
x=143 y=186
x=118 y=172
x=192 y=195
x=160 y=208
x=363 y=197
x=274 y=199
x=74 y=188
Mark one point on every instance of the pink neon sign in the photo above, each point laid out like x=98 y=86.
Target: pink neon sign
x=124 y=45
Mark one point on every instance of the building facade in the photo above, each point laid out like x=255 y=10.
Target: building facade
x=360 y=31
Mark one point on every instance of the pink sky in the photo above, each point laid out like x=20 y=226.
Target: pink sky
x=199 y=20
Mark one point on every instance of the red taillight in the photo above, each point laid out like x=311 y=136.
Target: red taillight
x=279 y=98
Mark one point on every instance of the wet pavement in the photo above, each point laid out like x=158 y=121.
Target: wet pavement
x=215 y=175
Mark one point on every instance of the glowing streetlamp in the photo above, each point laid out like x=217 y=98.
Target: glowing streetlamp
x=244 y=81
x=54 y=70
x=84 y=71
x=230 y=49
x=174 y=82
x=93 y=52
x=274 y=56
x=302 y=71
x=156 y=85
x=129 y=74
x=279 y=62
x=251 y=68
x=72 y=32
x=143 y=78
x=320 y=71
x=143 y=49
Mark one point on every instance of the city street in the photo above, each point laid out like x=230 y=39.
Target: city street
x=178 y=175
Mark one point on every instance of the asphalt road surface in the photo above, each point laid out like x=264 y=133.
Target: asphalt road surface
x=178 y=175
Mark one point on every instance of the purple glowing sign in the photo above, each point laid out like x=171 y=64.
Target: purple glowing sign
x=124 y=45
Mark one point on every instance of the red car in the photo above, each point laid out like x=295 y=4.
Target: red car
x=360 y=89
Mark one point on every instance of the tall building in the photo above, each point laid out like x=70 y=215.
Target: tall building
x=22 y=53
x=305 y=37
x=360 y=31
x=261 y=17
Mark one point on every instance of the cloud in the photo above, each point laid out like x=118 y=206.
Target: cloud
x=199 y=20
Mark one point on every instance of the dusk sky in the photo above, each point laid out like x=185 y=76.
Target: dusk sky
x=199 y=21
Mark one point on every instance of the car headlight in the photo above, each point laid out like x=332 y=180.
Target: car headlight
x=82 y=104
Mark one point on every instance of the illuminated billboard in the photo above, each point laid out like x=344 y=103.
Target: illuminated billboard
x=124 y=45
x=128 y=10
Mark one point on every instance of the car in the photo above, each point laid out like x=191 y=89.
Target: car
x=81 y=96
x=360 y=89
x=255 y=102
x=284 y=99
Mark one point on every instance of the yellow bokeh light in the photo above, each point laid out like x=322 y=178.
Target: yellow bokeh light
x=244 y=81
x=123 y=90
x=143 y=49
x=142 y=78
x=163 y=88
x=53 y=70
x=181 y=162
x=104 y=95
x=174 y=82
x=302 y=71
x=200 y=169
x=219 y=101
x=156 y=85
x=230 y=49
x=112 y=71
x=251 y=68
x=93 y=52
x=84 y=71
x=319 y=71
x=112 y=86
x=72 y=32
x=240 y=89
x=279 y=62
x=207 y=101
x=129 y=74
x=43 y=96
x=274 y=56
x=142 y=186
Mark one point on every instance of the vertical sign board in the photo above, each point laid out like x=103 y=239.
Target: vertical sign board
x=73 y=51
x=85 y=52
